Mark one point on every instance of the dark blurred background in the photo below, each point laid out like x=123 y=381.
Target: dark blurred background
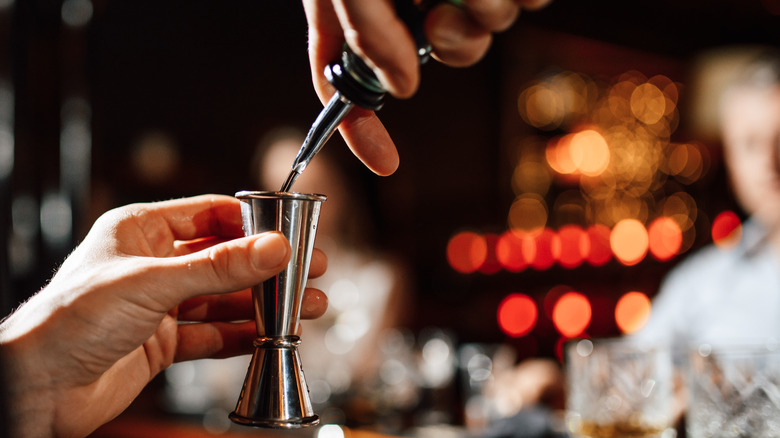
x=104 y=103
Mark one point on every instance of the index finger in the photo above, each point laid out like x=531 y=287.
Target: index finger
x=195 y=217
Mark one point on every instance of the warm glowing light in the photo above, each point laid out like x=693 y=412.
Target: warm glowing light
x=528 y=212
x=517 y=315
x=632 y=312
x=600 y=251
x=571 y=246
x=686 y=162
x=509 y=251
x=551 y=299
x=531 y=177
x=543 y=257
x=648 y=103
x=559 y=157
x=682 y=208
x=541 y=107
x=629 y=241
x=589 y=152
x=665 y=238
x=466 y=251
x=726 y=230
x=571 y=314
x=491 y=264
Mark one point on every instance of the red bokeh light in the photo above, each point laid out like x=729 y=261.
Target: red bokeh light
x=509 y=251
x=517 y=315
x=571 y=246
x=571 y=314
x=600 y=252
x=543 y=257
x=491 y=264
x=466 y=251
x=665 y=238
x=726 y=229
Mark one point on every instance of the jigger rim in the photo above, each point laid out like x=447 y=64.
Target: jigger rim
x=261 y=194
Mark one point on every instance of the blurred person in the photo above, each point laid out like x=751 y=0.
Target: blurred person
x=78 y=352
x=722 y=295
x=716 y=295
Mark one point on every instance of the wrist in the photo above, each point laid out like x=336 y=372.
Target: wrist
x=27 y=395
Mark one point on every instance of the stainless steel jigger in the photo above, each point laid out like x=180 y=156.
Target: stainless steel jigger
x=275 y=393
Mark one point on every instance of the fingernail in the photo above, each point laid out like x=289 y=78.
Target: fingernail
x=271 y=251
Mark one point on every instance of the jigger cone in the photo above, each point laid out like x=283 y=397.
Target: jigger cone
x=275 y=393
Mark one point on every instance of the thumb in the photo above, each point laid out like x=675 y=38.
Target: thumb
x=226 y=267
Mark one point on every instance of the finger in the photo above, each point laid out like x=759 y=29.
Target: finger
x=183 y=247
x=314 y=303
x=195 y=217
x=319 y=263
x=369 y=141
x=457 y=40
x=533 y=5
x=236 y=306
x=214 y=339
x=227 y=267
x=493 y=15
x=374 y=31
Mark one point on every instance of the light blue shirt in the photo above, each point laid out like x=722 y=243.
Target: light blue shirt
x=719 y=296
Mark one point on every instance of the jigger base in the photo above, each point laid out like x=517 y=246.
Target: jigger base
x=275 y=393
x=276 y=424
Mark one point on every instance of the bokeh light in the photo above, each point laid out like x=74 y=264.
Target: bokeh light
x=517 y=315
x=648 y=103
x=632 y=312
x=531 y=176
x=543 y=257
x=571 y=246
x=509 y=251
x=528 y=212
x=466 y=251
x=726 y=230
x=600 y=252
x=665 y=238
x=572 y=314
x=589 y=152
x=541 y=107
x=490 y=265
x=629 y=241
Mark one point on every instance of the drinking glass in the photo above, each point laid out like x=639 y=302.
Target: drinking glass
x=734 y=391
x=618 y=388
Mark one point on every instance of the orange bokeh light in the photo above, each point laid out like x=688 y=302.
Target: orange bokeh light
x=629 y=241
x=571 y=314
x=517 y=315
x=726 y=230
x=665 y=238
x=600 y=252
x=466 y=251
x=589 y=152
x=632 y=312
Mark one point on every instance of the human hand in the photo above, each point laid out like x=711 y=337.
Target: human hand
x=460 y=36
x=83 y=348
